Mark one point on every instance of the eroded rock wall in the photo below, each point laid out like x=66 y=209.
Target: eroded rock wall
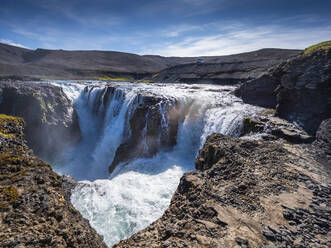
x=34 y=207
x=51 y=122
x=299 y=89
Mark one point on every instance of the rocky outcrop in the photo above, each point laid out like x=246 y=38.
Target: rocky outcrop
x=305 y=90
x=323 y=141
x=153 y=127
x=34 y=209
x=272 y=128
x=299 y=89
x=51 y=122
x=227 y=69
x=260 y=91
x=246 y=193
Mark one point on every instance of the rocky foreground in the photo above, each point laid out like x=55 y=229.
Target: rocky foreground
x=35 y=209
x=246 y=194
x=270 y=192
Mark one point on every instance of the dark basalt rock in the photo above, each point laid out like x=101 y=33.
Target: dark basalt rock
x=299 y=89
x=51 y=122
x=34 y=207
x=305 y=90
x=150 y=131
x=245 y=193
x=323 y=141
x=273 y=128
x=260 y=91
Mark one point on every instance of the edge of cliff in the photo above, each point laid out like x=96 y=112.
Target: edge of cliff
x=35 y=208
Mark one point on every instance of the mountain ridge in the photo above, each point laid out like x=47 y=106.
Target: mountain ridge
x=94 y=64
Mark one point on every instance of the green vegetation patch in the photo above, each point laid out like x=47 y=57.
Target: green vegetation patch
x=123 y=79
x=9 y=158
x=10 y=136
x=4 y=120
x=326 y=45
x=11 y=194
x=118 y=79
x=7 y=118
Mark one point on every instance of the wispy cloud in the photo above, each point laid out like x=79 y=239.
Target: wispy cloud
x=72 y=11
x=12 y=43
x=243 y=39
x=52 y=38
x=175 y=31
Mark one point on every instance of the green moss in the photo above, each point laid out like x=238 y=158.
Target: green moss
x=7 y=135
x=18 y=175
x=269 y=111
x=7 y=118
x=4 y=120
x=118 y=79
x=9 y=158
x=326 y=45
x=11 y=194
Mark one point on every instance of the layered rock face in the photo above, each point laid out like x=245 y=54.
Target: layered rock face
x=51 y=122
x=323 y=142
x=245 y=194
x=299 y=89
x=34 y=207
x=151 y=129
x=227 y=69
x=305 y=90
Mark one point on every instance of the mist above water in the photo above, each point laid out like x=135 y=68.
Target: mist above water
x=138 y=192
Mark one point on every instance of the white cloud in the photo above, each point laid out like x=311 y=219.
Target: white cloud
x=12 y=43
x=243 y=39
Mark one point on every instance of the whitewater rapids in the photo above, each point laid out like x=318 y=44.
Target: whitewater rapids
x=138 y=192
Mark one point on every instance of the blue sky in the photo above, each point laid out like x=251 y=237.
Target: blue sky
x=167 y=27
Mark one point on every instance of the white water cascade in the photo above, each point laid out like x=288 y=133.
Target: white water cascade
x=138 y=191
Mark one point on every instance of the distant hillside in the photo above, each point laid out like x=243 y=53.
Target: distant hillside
x=61 y=64
x=226 y=69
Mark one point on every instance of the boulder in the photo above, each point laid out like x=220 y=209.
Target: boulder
x=272 y=128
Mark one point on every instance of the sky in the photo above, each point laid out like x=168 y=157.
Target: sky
x=165 y=27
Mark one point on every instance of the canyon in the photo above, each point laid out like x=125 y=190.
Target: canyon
x=177 y=162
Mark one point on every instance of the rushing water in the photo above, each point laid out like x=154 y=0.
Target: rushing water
x=138 y=192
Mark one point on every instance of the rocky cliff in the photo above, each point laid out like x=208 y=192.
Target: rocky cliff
x=299 y=89
x=246 y=193
x=51 y=122
x=35 y=209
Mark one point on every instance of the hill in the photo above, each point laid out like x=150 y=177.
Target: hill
x=61 y=64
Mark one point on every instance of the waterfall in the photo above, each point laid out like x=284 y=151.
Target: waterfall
x=167 y=124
